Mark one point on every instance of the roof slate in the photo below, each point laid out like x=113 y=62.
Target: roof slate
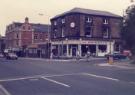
x=89 y=11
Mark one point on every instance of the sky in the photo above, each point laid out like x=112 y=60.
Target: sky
x=16 y=10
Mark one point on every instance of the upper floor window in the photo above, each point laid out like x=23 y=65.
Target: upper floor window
x=105 y=21
x=35 y=36
x=55 y=22
x=40 y=36
x=89 y=19
x=23 y=27
x=88 y=31
x=17 y=36
x=105 y=32
x=62 y=32
x=54 y=34
x=63 y=20
x=29 y=27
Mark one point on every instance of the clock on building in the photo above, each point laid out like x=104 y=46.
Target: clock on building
x=72 y=24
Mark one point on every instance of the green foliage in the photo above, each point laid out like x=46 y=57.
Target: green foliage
x=128 y=29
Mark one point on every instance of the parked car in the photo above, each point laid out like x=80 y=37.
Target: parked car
x=11 y=56
x=1 y=55
x=116 y=56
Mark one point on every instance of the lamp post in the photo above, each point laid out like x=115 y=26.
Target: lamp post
x=48 y=38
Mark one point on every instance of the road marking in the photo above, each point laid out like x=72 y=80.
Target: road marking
x=132 y=83
x=36 y=76
x=55 y=82
x=34 y=79
x=63 y=75
x=4 y=90
x=98 y=76
x=23 y=78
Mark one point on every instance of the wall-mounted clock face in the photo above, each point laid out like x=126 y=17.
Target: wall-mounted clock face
x=72 y=24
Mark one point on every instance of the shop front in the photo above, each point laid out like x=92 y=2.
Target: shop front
x=71 y=48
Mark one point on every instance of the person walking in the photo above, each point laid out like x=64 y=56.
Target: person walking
x=88 y=55
x=78 y=55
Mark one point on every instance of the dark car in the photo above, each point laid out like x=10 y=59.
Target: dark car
x=116 y=56
x=11 y=56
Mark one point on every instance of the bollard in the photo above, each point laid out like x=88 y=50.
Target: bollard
x=110 y=60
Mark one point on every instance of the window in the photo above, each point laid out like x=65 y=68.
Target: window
x=88 y=31
x=17 y=43
x=40 y=36
x=55 y=23
x=105 y=21
x=29 y=28
x=62 y=32
x=105 y=32
x=54 y=34
x=102 y=48
x=17 y=36
x=35 y=36
x=63 y=20
x=23 y=27
x=88 y=19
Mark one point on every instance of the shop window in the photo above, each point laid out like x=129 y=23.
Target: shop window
x=117 y=47
x=102 y=48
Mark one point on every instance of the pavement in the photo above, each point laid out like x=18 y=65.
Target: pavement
x=120 y=64
x=72 y=59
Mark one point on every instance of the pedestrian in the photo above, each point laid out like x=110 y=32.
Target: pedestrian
x=88 y=55
x=78 y=55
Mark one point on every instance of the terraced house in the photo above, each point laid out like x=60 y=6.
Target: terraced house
x=82 y=30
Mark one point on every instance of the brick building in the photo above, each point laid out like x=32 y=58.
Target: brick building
x=82 y=30
x=2 y=44
x=20 y=35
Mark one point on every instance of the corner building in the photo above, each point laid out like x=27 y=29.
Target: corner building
x=82 y=30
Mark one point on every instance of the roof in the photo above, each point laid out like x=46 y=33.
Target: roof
x=41 y=27
x=18 y=24
x=89 y=11
x=36 y=27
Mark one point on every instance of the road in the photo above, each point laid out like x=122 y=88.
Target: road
x=47 y=77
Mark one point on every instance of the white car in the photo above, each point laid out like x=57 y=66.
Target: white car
x=11 y=56
x=1 y=55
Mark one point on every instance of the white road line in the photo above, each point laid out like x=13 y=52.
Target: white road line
x=97 y=76
x=132 y=82
x=22 y=78
x=62 y=75
x=55 y=82
x=5 y=92
x=36 y=76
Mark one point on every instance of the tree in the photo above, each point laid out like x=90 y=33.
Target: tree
x=128 y=29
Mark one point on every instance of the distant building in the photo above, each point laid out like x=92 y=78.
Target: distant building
x=2 y=44
x=84 y=30
x=20 y=35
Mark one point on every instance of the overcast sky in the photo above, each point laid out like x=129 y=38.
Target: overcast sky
x=17 y=10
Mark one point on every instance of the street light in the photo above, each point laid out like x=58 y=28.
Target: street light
x=48 y=39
